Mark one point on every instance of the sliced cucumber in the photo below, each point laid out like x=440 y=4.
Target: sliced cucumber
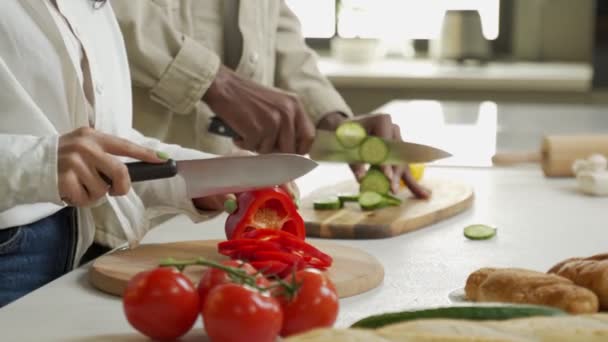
x=373 y=150
x=370 y=200
x=351 y=134
x=479 y=232
x=479 y=313
x=392 y=200
x=328 y=203
x=375 y=180
x=348 y=198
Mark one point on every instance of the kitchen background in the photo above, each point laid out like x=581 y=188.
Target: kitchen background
x=376 y=50
x=477 y=77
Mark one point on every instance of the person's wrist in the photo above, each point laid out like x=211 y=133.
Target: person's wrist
x=331 y=121
x=217 y=89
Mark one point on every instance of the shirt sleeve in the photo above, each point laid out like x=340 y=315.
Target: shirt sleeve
x=168 y=196
x=297 y=70
x=175 y=68
x=29 y=170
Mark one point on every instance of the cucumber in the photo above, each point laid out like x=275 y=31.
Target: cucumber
x=373 y=150
x=328 y=203
x=370 y=200
x=478 y=313
x=479 y=232
x=350 y=134
x=392 y=200
x=375 y=180
x=348 y=198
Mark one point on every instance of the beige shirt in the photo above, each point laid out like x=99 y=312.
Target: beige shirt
x=175 y=48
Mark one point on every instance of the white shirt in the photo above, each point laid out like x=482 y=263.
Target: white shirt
x=42 y=97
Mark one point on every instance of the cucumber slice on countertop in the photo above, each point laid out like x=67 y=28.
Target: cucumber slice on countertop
x=478 y=313
x=375 y=180
x=350 y=134
x=328 y=203
x=373 y=150
x=479 y=232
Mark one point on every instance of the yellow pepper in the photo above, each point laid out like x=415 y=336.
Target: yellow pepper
x=417 y=171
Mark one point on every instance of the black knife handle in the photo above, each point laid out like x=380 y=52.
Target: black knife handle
x=141 y=171
x=219 y=127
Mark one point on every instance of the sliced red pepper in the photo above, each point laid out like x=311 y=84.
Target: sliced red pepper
x=269 y=267
x=230 y=246
x=303 y=248
x=288 y=258
x=270 y=208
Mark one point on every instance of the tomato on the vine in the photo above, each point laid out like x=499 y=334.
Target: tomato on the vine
x=234 y=312
x=314 y=305
x=213 y=277
x=162 y=303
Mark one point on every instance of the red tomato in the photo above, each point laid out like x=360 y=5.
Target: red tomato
x=235 y=313
x=161 y=304
x=213 y=277
x=314 y=306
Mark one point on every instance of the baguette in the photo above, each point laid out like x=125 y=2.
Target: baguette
x=591 y=273
x=513 y=285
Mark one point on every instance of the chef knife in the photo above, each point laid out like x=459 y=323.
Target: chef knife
x=222 y=175
x=326 y=147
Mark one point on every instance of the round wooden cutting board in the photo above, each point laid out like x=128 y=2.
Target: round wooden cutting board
x=353 y=271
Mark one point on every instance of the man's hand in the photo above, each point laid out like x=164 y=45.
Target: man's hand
x=382 y=126
x=267 y=119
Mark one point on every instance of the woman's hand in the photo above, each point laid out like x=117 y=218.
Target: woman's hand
x=84 y=154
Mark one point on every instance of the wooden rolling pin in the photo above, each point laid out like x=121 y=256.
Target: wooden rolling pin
x=557 y=153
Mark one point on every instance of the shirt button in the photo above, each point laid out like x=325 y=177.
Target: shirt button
x=253 y=57
x=99 y=88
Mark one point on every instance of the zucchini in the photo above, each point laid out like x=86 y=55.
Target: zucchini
x=373 y=150
x=478 y=313
x=350 y=134
x=479 y=232
x=328 y=203
x=375 y=180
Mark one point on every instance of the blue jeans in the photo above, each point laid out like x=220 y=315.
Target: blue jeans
x=35 y=254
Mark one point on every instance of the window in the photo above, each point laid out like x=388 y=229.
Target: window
x=388 y=19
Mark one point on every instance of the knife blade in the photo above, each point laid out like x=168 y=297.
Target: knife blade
x=222 y=175
x=326 y=147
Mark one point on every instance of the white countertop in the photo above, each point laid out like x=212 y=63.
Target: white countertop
x=540 y=222
x=429 y=74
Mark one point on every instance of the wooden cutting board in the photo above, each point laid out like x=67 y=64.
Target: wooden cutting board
x=449 y=198
x=353 y=271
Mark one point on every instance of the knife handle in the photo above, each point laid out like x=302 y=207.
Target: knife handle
x=219 y=127
x=141 y=171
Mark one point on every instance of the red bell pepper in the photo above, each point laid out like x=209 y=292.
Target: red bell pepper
x=277 y=253
x=270 y=208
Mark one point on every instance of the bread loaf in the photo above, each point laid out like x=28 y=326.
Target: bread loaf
x=513 y=285
x=591 y=273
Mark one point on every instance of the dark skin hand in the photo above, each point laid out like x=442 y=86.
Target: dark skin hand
x=382 y=126
x=267 y=119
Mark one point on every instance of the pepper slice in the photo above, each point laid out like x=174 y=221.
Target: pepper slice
x=284 y=252
x=270 y=208
x=270 y=267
